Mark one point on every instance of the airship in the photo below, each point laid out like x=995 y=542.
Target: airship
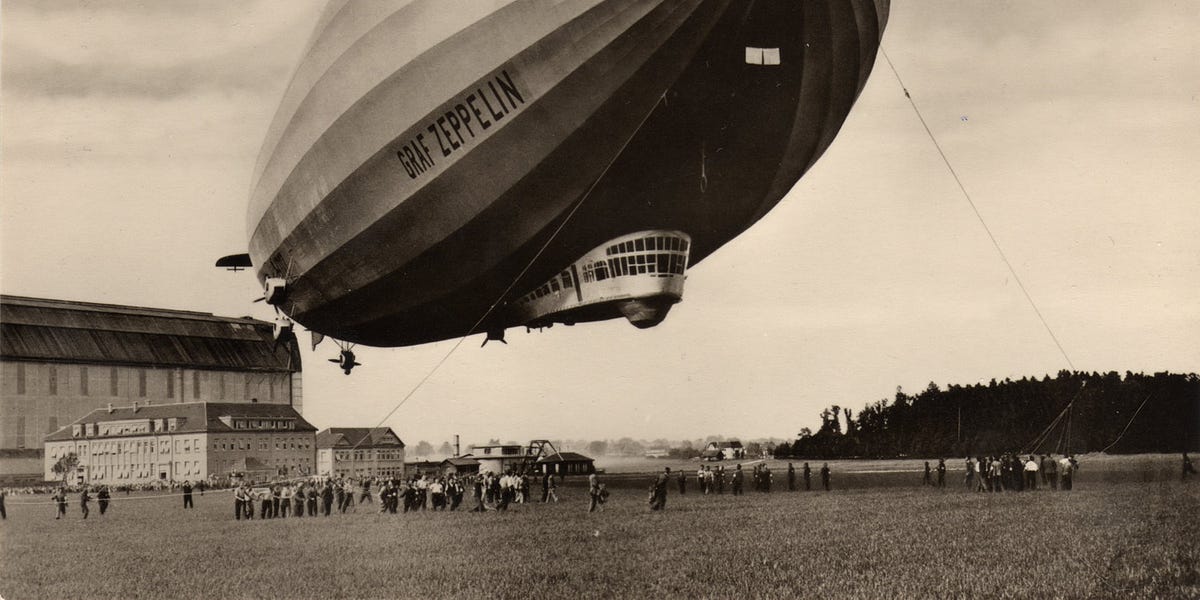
x=441 y=168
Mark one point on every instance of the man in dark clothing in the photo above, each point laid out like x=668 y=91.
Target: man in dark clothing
x=807 y=478
x=791 y=478
x=102 y=498
x=927 y=479
x=682 y=483
x=941 y=473
x=4 y=513
x=84 y=498
x=658 y=496
x=365 y=495
x=825 y=476
x=327 y=498
x=60 y=499
x=738 y=477
x=187 y=494
x=311 y=494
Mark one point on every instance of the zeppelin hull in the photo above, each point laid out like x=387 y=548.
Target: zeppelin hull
x=603 y=118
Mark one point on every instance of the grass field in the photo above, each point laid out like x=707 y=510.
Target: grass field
x=1112 y=537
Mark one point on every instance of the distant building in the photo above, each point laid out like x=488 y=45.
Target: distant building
x=497 y=458
x=187 y=441
x=360 y=452
x=565 y=463
x=60 y=360
x=428 y=468
x=731 y=450
x=460 y=465
x=657 y=453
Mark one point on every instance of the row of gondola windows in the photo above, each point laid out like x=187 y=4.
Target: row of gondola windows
x=651 y=244
x=637 y=264
x=560 y=282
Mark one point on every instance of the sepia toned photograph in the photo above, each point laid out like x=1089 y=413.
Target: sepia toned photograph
x=599 y=299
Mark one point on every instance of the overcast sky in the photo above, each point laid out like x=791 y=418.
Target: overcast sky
x=129 y=130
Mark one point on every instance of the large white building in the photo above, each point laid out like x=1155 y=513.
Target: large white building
x=60 y=360
x=360 y=452
x=186 y=441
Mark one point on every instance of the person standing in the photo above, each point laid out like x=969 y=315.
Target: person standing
x=1031 y=473
x=791 y=475
x=683 y=480
x=546 y=485
x=1050 y=470
x=365 y=494
x=807 y=478
x=941 y=473
x=60 y=499
x=738 y=478
x=1188 y=469
x=928 y=478
x=102 y=498
x=700 y=480
x=187 y=494
x=1066 y=472
x=4 y=513
x=969 y=478
x=825 y=476
x=310 y=496
x=593 y=492
x=237 y=503
x=658 y=495
x=84 y=498
x=327 y=498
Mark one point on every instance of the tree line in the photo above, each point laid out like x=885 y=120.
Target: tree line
x=1073 y=412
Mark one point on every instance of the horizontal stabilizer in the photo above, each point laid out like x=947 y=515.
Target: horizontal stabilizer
x=235 y=261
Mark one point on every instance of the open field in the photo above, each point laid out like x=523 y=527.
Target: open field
x=1104 y=539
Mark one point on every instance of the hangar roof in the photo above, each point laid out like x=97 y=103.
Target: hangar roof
x=37 y=329
x=195 y=417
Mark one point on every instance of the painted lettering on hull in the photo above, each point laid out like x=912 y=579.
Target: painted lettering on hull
x=460 y=122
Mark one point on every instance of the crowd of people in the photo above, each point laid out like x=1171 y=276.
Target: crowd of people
x=314 y=496
x=1008 y=472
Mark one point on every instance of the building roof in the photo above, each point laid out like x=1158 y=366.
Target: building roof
x=461 y=461
x=198 y=417
x=356 y=437
x=728 y=444
x=84 y=332
x=564 y=457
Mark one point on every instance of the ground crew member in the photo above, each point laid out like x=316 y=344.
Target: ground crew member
x=1031 y=473
x=102 y=498
x=927 y=479
x=658 y=494
x=84 y=498
x=238 y=502
x=593 y=492
x=311 y=494
x=941 y=472
x=60 y=499
x=683 y=482
x=791 y=478
x=187 y=494
x=737 y=480
x=807 y=478
x=825 y=476
x=327 y=497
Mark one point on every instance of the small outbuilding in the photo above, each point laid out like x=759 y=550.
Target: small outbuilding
x=460 y=465
x=565 y=463
x=730 y=450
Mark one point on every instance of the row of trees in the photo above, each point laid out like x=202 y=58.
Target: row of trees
x=1071 y=412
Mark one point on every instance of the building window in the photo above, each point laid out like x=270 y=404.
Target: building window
x=20 y=432
x=142 y=383
x=20 y=378
x=83 y=381
x=53 y=380
x=196 y=385
x=114 y=387
x=170 y=384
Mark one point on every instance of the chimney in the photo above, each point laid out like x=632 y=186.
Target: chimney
x=457 y=451
x=110 y=408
